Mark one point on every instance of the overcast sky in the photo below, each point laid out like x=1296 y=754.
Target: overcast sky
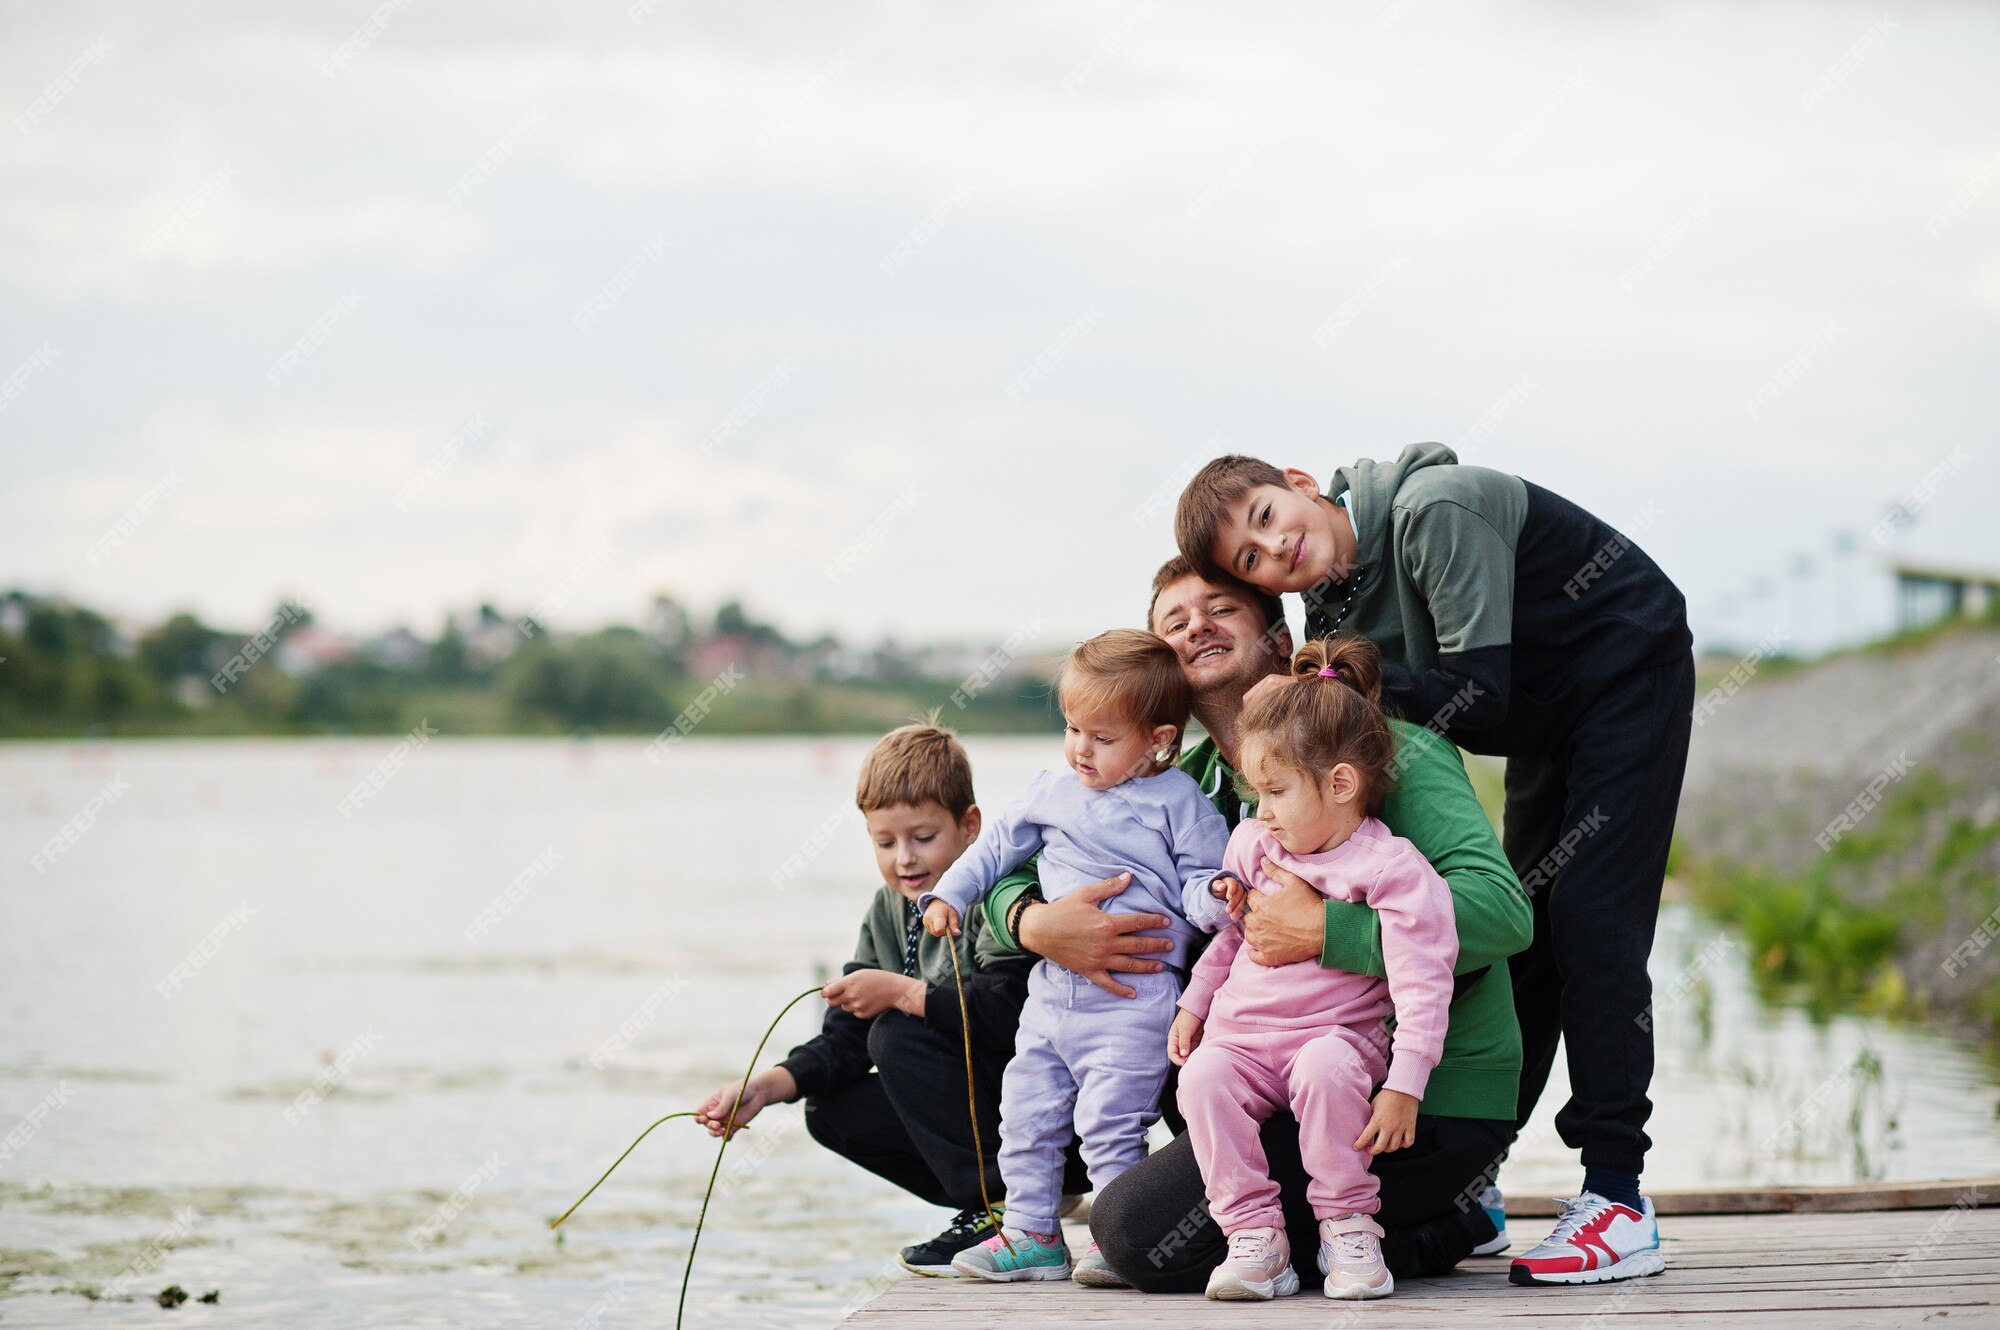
x=896 y=317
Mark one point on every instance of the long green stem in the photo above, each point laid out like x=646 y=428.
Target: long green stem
x=557 y=1221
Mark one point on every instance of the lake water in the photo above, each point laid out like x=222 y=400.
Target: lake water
x=515 y=955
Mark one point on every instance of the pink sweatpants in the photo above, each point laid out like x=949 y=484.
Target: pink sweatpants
x=1239 y=1076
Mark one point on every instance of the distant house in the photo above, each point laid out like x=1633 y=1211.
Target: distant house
x=309 y=647
x=398 y=649
x=1926 y=593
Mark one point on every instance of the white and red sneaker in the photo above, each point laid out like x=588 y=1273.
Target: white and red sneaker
x=1596 y=1241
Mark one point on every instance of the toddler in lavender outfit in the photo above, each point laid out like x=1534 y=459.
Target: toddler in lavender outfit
x=1086 y=1061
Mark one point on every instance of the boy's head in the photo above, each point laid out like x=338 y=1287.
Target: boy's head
x=915 y=790
x=1245 y=519
x=1125 y=706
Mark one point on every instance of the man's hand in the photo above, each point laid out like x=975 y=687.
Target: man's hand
x=940 y=919
x=1077 y=934
x=1288 y=924
x=869 y=993
x=1393 y=1125
x=1183 y=1037
x=1263 y=686
x=774 y=1086
x=1231 y=893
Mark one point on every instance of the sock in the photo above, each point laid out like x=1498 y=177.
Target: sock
x=1613 y=1184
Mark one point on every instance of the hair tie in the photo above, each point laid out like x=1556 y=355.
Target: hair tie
x=1329 y=671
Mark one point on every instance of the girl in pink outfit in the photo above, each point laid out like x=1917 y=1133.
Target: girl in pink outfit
x=1254 y=1039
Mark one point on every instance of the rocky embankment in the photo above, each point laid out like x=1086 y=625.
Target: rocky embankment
x=1845 y=816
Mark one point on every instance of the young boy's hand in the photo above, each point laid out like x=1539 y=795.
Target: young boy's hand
x=940 y=919
x=1183 y=1037
x=868 y=993
x=1393 y=1125
x=1231 y=893
x=774 y=1086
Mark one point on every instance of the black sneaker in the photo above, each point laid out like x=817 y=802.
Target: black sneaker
x=968 y=1228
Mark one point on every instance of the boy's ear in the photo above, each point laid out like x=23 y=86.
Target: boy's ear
x=968 y=825
x=1302 y=481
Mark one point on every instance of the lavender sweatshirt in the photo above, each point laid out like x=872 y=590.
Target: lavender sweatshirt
x=1419 y=948
x=1161 y=829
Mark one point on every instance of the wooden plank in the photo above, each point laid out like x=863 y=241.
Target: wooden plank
x=1938 y=1194
x=1792 y=1270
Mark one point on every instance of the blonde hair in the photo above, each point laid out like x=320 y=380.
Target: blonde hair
x=1131 y=674
x=921 y=763
x=1329 y=712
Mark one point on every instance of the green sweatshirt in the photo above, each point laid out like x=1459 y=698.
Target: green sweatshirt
x=1432 y=805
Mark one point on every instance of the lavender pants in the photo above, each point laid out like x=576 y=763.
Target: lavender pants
x=1085 y=1062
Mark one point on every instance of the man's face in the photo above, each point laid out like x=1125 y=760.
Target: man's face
x=1279 y=537
x=1219 y=634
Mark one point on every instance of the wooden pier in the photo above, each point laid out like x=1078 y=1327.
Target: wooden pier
x=1809 y=1258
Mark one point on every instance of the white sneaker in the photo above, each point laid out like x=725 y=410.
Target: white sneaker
x=1496 y=1210
x=1350 y=1256
x=1596 y=1241
x=1257 y=1269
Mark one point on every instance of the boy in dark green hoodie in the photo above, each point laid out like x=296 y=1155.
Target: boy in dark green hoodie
x=1518 y=624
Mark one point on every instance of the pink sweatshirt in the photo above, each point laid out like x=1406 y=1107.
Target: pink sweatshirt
x=1419 y=948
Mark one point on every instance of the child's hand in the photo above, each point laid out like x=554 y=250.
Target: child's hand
x=757 y=1092
x=1231 y=892
x=1183 y=1037
x=940 y=919
x=1393 y=1125
x=868 y=993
